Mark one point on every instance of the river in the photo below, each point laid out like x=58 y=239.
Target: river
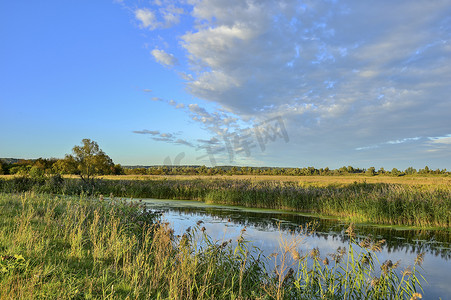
x=265 y=228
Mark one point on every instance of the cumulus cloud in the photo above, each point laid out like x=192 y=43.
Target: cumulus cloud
x=345 y=75
x=147 y=18
x=164 y=58
x=164 y=15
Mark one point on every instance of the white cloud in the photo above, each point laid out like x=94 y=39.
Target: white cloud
x=165 y=15
x=164 y=58
x=147 y=18
x=344 y=74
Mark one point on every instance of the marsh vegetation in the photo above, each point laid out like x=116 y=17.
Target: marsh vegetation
x=381 y=203
x=81 y=247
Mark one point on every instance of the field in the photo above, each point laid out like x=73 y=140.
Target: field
x=431 y=180
x=62 y=247
x=394 y=201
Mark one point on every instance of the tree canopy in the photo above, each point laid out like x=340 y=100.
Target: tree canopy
x=87 y=160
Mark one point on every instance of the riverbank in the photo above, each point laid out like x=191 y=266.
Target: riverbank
x=80 y=247
x=379 y=203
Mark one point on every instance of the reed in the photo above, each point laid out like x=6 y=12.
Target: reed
x=63 y=247
x=379 y=203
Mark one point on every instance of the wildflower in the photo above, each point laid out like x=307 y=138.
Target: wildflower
x=199 y=222
x=419 y=259
x=203 y=229
x=314 y=253
x=326 y=261
x=416 y=296
x=295 y=254
x=375 y=281
x=350 y=231
x=366 y=243
x=386 y=266
x=377 y=247
x=407 y=271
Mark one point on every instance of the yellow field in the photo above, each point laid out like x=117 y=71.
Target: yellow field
x=307 y=180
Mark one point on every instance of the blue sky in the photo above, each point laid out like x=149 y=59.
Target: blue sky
x=260 y=83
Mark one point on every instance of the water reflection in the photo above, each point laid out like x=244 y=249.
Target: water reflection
x=433 y=242
x=265 y=228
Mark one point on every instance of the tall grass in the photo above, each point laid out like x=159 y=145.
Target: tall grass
x=359 y=202
x=78 y=247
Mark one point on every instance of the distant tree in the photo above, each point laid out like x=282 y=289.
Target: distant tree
x=371 y=171
x=67 y=165
x=1 y=168
x=326 y=171
x=118 y=170
x=381 y=171
x=410 y=171
x=425 y=170
x=36 y=172
x=234 y=171
x=395 y=172
x=89 y=160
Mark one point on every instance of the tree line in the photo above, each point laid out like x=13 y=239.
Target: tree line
x=306 y=171
x=88 y=160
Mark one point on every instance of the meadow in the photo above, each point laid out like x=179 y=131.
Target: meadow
x=426 y=205
x=80 y=247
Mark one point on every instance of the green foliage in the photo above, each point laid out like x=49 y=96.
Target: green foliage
x=360 y=202
x=395 y=172
x=371 y=171
x=85 y=248
x=410 y=171
x=89 y=160
x=36 y=173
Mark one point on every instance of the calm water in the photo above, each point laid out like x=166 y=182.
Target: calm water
x=262 y=228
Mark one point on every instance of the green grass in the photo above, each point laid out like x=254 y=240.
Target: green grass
x=379 y=203
x=61 y=247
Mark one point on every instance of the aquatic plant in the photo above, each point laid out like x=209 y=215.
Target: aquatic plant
x=359 y=202
x=82 y=247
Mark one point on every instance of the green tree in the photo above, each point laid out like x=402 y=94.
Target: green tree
x=395 y=172
x=425 y=170
x=371 y=171
x=410 y=171
x=89 y=160
x=36 y=173
x=1 y=169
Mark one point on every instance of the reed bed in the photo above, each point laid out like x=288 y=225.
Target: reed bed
x=62 y=247
x=379 y=203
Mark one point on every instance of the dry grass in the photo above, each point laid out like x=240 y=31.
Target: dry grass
x=338 y=180
x=308 y=180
